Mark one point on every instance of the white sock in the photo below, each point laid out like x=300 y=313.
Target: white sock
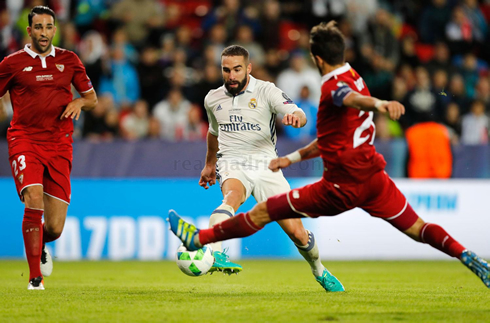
x=312 y=255
x=222 y=213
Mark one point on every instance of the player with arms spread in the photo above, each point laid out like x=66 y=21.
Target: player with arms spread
x=39 y=78
x=241 y=142
x=354 y=173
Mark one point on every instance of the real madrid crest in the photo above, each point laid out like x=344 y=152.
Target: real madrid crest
x=253 y=103
x=60 y=67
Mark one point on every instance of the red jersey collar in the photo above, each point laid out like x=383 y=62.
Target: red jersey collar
x=335 y=72
x=33 y=54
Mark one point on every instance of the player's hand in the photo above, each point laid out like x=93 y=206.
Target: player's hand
x=277 y=163
x=393 y=109
x=291 y=120
x=208 y=176
x=72 y=110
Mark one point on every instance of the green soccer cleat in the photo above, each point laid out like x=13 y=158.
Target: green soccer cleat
x=329 y=282
x=223 y=264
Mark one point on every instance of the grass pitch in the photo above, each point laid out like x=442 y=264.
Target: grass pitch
x=266 y=291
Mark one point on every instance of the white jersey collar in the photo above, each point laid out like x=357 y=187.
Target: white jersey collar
x=335 y=72
x=33 y=54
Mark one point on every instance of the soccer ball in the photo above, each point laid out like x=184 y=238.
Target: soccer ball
x=195 y=263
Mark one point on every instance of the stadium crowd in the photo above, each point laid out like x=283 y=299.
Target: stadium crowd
x=152 y=62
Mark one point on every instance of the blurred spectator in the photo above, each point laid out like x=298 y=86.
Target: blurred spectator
x=231 y=15
x=310 y=108
x=299 y=74
x=152 y=82
x=459 y=31
x=359 y=12
x=420 y=102
x=475 y=125
x=153 y=128
x=93 y=53
x=408 y=53
x=274 y=64
x=136 y=124
x=121 y=81
x=8 y=35
x=245 y=38
x=216 y=43
x=457 y=93
x=69 y=37
x=183 y=41
x=138 y=17
x=432 y=24
x=469 y=72
x=88 y=12
x=452 y=120
x=379 y=77
x=210 y=80
x=270 y=20
x=173 y=115
x=475 y=16
x=441 y=59
x=386 y=129
x=96 y=125
x=482 y=91
x=381 y=39
x=120 y=39
x=196 y=129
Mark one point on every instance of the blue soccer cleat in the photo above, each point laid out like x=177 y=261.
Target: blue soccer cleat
x=185 y=231
x=222 y=263
x=477 y=265
x=329 y=282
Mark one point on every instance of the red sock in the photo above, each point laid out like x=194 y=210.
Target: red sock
x=48 y=237
x=238 y=226
x=33 y=240
x=438 y=238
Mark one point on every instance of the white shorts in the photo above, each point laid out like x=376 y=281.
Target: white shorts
x=255 y=176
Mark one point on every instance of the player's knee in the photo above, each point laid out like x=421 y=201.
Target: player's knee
x=54 y=230
x=33 y=199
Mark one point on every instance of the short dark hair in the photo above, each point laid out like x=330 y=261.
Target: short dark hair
x=327 y=42
x=235 y=50
x=40 y=10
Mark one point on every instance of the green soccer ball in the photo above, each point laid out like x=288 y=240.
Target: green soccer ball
x=195 y=263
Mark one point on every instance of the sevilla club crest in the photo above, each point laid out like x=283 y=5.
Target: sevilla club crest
x=60 y=67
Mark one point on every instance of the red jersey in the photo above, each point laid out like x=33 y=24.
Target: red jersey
x=345 y=134
x=40 y=90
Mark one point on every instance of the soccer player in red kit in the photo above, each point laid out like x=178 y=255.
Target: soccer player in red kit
x=39 y=78
x=353 y=174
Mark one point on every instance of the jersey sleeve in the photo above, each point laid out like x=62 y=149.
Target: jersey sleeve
x=279 y=101
x=6 y=77
x=80 y=79
x=340 y=92
x=213 y=123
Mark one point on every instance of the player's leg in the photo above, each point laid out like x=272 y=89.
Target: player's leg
x=234 y=194
x=272 y=183
x=33 y=233
x=391 y=205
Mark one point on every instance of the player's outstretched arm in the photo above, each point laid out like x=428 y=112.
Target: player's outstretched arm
x=85 y=102
x=208 y=173
x=297 y=119
x=307 y=152
x=392 y=109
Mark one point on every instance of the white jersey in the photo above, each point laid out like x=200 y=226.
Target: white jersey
x=245 y=124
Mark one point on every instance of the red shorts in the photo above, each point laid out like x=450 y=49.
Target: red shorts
x=378 y=196
x=42 y=164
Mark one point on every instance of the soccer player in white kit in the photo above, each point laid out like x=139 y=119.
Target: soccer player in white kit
x=241 y=141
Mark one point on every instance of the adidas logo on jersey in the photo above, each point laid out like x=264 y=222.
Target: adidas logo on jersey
x=219 y=108
x=27 y=69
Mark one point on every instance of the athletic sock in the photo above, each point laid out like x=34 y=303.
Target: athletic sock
x=312 y=255
x=222 y=213
x=33 y=240
x=238 y=226
x=438 y=238
x=48 y=237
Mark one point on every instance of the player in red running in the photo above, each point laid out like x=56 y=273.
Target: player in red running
x=39 y=78
x=354 y=173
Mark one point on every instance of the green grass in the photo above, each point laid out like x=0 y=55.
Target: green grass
x=266 y=291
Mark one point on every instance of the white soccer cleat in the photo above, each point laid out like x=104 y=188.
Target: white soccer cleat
x=46 y=262
x=36 y=284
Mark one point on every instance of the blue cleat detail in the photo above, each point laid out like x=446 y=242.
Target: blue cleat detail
x=329 y=282
x=477 y=265
x=185 y=231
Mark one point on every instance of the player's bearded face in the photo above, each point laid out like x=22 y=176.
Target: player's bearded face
x=235 y=73
x=41 y=32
